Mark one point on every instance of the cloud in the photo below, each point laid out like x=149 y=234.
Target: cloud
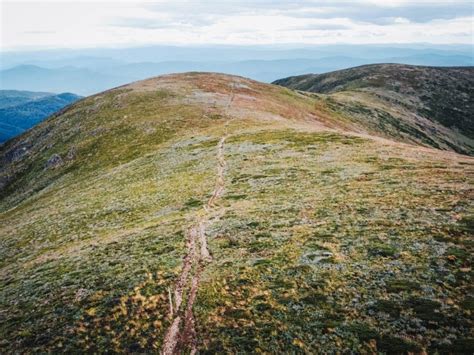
x=319 y=27
x=157 y=23
x=199 y=15
x=39 y=32
x=377 y=12
x=182 y=22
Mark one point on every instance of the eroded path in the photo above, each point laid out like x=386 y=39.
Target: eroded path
x=181 y=334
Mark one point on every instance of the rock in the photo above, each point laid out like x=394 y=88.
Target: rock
x=16 y=154
x=54 y=162
x=315 y=257
x=71 y=154
x=81 y=294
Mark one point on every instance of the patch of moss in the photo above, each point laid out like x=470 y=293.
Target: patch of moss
x=235 y=197
x=384 y=250
x=253 y=224
x=363 y=331
x=464 y=346
x=426 y=309
x=314 y=298
x=388 y=306
x=402 y=285
x=237 y=313
x=468 y=303
x=192 y=202
x=263 y=235
x=262 y=307
x=262 y=262
x=459 y=256
x=215 y=116
x=395 y=345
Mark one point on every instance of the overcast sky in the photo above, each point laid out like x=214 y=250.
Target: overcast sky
x=76 y=24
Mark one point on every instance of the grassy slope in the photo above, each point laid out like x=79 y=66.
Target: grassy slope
x=90 y=248
x=428 y=105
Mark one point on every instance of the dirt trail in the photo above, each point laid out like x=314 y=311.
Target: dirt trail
x=179 y=337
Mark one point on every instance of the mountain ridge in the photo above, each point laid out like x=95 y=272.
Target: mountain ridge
x=213 y=213
x=407 y=95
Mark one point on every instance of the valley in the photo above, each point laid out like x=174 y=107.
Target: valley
x=20 y=110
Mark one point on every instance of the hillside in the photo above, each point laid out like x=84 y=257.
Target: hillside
x=429 y=105
x=20 y=110
x=212 y=213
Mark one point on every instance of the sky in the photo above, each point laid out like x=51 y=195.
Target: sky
x=88 y=24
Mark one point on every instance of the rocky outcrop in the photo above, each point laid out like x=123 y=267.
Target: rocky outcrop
x=54 y=162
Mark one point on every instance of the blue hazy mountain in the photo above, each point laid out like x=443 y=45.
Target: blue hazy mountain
x=10 y=98
x=20 y=110
x=95 y=56
x=89 y=71
x=70 y=79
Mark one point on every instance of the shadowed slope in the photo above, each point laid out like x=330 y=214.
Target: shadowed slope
x=428 y=105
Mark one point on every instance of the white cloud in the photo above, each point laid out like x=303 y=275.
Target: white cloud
x=109 y=23
x=401 y=20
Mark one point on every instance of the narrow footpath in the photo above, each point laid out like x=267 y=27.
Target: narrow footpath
x=181 y=335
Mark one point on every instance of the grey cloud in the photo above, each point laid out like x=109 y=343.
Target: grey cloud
x=39 y=32
x=355 y=10
x=223 y=8
x=140 y=23
x=205 y=13
x=154 y=24
x=319 y=27
x=385 y=15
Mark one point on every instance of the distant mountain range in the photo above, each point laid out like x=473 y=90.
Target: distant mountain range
x=80 y=80
x=91 y=71
x=20 y=110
